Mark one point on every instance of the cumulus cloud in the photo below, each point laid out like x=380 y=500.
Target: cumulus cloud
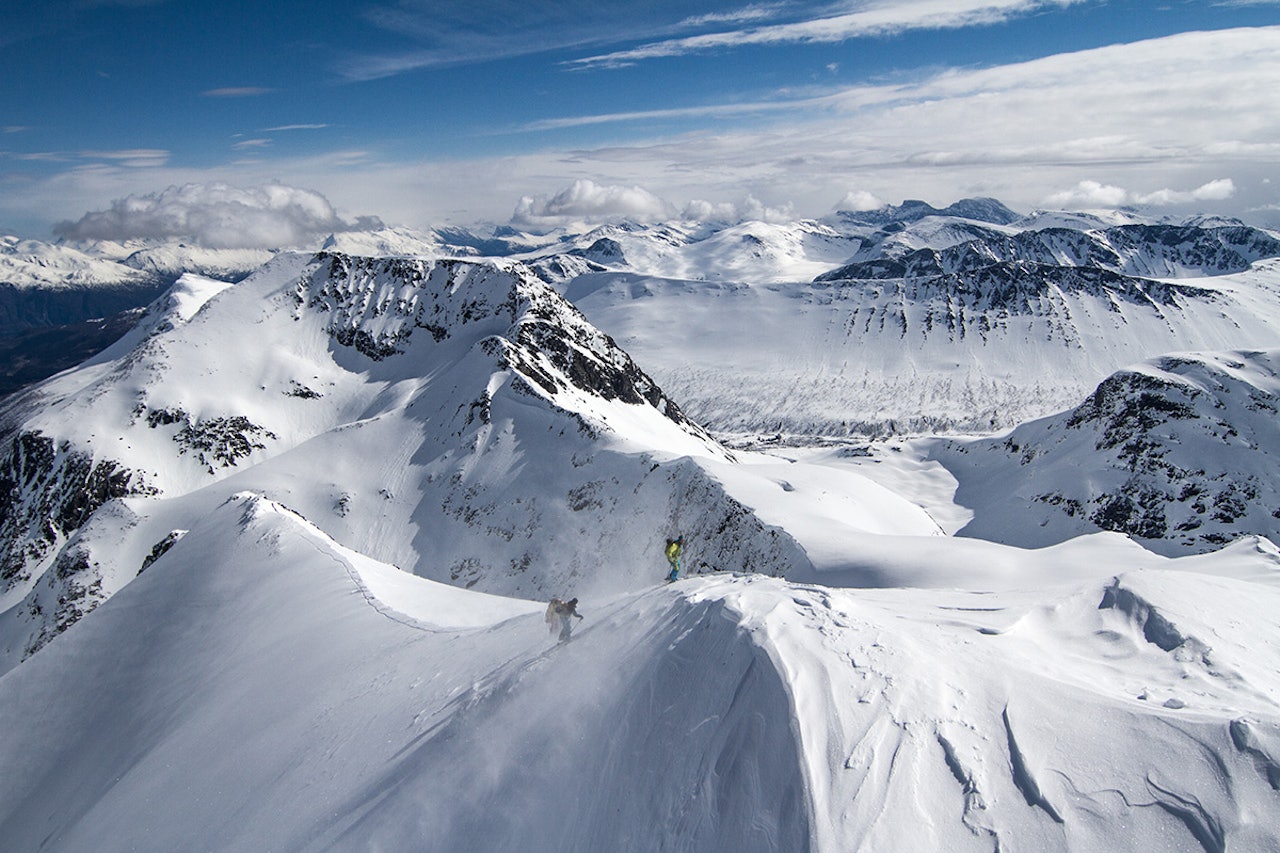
x=752 y=209
x=217 y=215
x=1219 y=190
x=585 y=201
x=857 y=200
x=1088 y=194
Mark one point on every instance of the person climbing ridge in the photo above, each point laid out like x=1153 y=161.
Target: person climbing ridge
x=563 y=613
x=672 y=552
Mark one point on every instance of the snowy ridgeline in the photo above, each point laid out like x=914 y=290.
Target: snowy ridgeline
x=459 y=420
x=261 y=687
x=273 y=568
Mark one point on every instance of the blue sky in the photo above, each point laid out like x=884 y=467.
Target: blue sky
x=429 y=111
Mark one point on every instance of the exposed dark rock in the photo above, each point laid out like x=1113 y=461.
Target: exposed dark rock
x=46 y=493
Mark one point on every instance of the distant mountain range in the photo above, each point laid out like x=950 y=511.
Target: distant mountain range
x=1032 y=310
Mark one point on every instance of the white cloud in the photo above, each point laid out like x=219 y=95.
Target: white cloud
x=701 y=210
x=1219 y=190
x=1088 y=194
x=217 y=215
x=134 y=158
x=878 y=17
x=750 y=210
x=586 y=201
x=747 y=14
x=285 y=127
x=1020 y=133
x=1092 y=194
x=755 y=210
x=856 y=200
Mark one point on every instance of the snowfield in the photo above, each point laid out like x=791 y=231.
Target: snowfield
x=261 y=687
x=274 y=567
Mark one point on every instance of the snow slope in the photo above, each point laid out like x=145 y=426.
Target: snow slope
x=942 y=325
x=1180 y=453
x=456 y=419
x=250 y=691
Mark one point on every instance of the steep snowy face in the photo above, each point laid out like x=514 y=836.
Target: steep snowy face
x=375 y=305
x=458 y=419
x=938 y=324
x=1179 y=453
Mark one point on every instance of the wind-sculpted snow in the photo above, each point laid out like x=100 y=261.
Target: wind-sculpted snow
x=310 y=698
x=960 y=721
x=1180 y=453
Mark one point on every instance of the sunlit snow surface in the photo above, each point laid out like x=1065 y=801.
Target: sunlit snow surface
x=262 y=688
x=277 y=680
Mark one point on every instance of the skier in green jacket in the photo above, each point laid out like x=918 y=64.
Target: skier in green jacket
x=672 y=552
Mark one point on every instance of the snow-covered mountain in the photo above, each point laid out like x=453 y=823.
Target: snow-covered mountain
x=457 y=419
x=262 y=687
x=43 y=284
x=940 y=324
x=1181 y=453
x=1150 y=251
x=274 y=565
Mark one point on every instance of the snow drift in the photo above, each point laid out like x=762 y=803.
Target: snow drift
x=251 y=691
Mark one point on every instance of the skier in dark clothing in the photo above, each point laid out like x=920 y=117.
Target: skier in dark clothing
x=563 y=613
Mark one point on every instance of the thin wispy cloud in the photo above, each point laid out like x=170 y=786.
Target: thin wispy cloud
x=869 y=19
x=699 y=112
x=746 y=15
x=137 y=158
x=237 y=92
x=288 y=127
x=465 y=32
